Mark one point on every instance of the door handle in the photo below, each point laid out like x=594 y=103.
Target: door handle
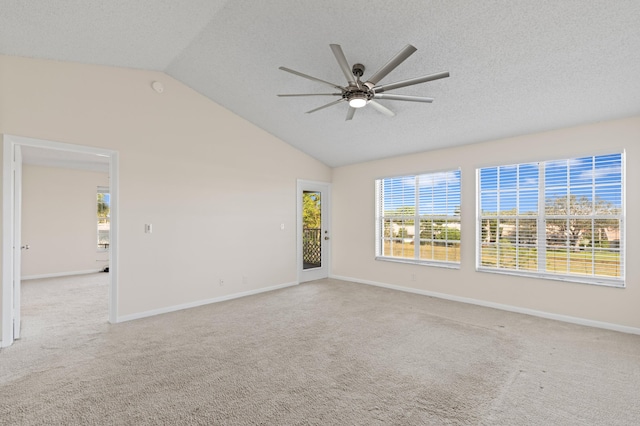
x=326 y=238
x=25 y=247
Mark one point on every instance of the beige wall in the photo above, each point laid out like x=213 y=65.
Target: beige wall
x=353 y=225
x=59 y=221
x=195 y=171
x=188 y=166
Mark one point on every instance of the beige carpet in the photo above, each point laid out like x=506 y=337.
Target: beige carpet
x=322 y=353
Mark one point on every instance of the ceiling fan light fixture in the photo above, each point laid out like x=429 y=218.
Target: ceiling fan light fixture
x=357 y=101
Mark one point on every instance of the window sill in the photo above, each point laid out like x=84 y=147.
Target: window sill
x=600 y=281
x=438 y=264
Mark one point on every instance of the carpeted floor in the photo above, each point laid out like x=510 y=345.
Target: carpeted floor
x=322 y=353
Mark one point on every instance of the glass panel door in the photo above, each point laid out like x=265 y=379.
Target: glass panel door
x=313 y=230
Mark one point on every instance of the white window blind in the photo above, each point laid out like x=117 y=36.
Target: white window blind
x=418 y=218
x=560 y=219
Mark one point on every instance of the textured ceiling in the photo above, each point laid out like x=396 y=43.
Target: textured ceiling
x=516 y=67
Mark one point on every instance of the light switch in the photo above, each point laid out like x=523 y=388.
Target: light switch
x=282 y=226
x=148 y=228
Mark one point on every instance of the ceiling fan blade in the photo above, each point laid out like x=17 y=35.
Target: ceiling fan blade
x=342 y=61
x=411 y=82
x=310 y=77
x=383 y=109
x=403 y=98
x=311 y=94
x=326 y=106
x=391 y=65
x=350 y=113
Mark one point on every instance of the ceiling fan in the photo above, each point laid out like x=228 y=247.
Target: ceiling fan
x=359 y=94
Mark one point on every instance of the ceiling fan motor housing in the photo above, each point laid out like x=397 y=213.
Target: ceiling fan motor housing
x=354 y=92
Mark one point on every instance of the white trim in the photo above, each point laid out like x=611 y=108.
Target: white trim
x=7 y=244
x=197 y=303
x=579 y=279
x=114 y=221
x=60 y=274
x=16 y=219
x=509 y=308
x=437 y=263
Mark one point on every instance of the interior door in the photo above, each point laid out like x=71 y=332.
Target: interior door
x=17 y=240
x=313 y=230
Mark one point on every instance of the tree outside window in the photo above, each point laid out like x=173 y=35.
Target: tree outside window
x=103 y=216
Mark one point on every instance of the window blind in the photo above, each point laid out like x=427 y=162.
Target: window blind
x=418 y=217
x=561 y=218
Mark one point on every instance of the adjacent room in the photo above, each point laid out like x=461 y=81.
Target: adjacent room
x=65 y=233
x=295 y=212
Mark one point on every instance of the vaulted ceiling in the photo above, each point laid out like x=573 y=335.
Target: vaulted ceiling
x=516 y=67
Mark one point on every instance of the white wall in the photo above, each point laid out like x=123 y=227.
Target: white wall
x=59 y=221
x=188 y=166
x=353 y=225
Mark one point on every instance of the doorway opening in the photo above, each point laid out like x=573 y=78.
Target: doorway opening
x=50 y=155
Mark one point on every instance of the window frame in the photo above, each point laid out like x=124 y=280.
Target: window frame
x=103 y=190
x=416 y=218
x=542 y=217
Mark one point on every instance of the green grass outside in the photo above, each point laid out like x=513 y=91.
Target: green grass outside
x=602 y=262
x=427 y=251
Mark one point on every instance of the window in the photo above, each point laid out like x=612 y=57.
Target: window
x=418 y=218
x=558 y=219
x=103 y=216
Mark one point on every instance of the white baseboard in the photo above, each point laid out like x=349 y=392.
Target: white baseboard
x=516 y=309
x=60 y=274
x=197 y=303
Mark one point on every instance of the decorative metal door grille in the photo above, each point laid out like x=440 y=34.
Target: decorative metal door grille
x=311 y=247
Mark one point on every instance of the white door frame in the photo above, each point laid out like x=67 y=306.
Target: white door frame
x=325 y=189
x=16 y=234
x=9 y=223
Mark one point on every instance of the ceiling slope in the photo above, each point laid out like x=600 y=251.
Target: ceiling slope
x=516 y=67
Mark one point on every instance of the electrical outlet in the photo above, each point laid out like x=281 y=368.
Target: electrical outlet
x=221 y=282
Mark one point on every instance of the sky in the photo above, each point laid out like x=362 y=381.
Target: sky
x=439 y=193
x=504 y=188
x=583 y=177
